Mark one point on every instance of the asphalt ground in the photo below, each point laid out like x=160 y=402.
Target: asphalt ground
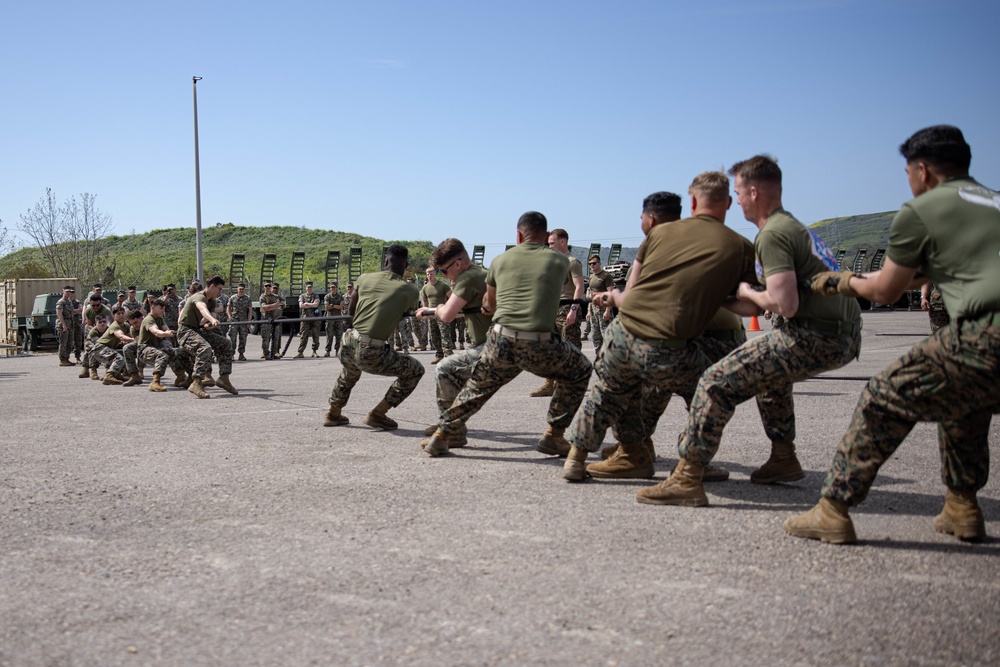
x=158 y=529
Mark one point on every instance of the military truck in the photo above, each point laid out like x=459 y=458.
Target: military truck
x=29 y=310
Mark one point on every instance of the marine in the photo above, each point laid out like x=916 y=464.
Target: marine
x=198 y=336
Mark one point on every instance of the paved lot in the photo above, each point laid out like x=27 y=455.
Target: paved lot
x=157 y=529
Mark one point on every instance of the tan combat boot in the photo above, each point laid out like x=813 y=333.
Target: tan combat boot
x=631 y=461
x=242 y=357
x=155 y=384
x=299 y=356
x=84 y=372
x=208 y=381
x=181 y=380
x=781 y=466
x=112 y=378
x=93 y=373
x=711 y=473
x=440 y=442
x=66 y=362
x=575 y=467
x=827 y=521
x=609 y=451
x=553 y=443
x=547 y=389
x=961 y=516
x=334 y=418
x=197 y=388
x=431 y=430
x=378 y=419
x=683 y=488
x=133 y=380
x=224 y=383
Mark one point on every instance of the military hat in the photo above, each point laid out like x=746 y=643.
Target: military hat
x=309 y=284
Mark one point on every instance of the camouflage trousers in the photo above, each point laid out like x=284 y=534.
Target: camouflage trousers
x=461 y=336
x=131 y=352
x=627 y=364
x=334 y=330
x=775 y=409
x=420 y=329
x=202 y=344
x=65 y=336
x=572 y=333
x=502 y=359
x=112 y=359
x=952 y=378
x=307 y=329
x=938 y=314
x=88 y=348
x=77 y=339
x=597 y=328
x=270 y=337
x=451 y=375
x=377 y=360
x=440 y=337
x=765 y=364
x=159 y=358
x=238 y=336
x=403 y=335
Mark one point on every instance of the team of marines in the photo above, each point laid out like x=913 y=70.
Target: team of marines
x=674 y=328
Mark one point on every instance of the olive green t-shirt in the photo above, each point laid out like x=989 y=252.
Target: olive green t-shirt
x=146 y=337
x=435 y=294
x=953 y=232
x=471 y=287
x=109 y=339
x=383 y=299
x=528 y=279
x=191 y=316
x=575 y=269
x=725 y=320
x=689 y=267
x=601 y=281
x=785 y=244
x=91 y=315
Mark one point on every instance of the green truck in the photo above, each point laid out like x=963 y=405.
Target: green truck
x=29 y=310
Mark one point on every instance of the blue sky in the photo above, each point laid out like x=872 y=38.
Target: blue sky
x=423 y=120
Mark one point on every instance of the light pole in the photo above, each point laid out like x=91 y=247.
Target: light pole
x=197 y=181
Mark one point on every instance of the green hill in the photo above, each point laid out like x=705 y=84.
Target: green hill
x=168 y=255
x=855 y=232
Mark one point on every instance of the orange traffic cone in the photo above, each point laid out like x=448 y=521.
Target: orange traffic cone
x=754 y=324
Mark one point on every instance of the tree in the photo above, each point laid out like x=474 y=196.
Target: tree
x=70 y=237
x=6 y=242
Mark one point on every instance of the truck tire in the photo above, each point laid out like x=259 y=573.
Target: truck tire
x=22 y=340
x=30 y=340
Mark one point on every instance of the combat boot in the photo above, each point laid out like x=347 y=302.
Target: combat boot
x=155 y=384
x=464 y=431
x=436 y=360
x=440 y=442
x=315 y=354
x=181 y=380
x=631 y=461
x=553 y=443
x=299 y=356
x=378 y=419
x=93 y=373
x=224 y=383
x=961 y=516
x=66 y=362
x=609 y=451
x=197 y=388
x=575 y=467
x=112 y=378
x=133 y=380
x=208 y=381
x=683 y=488
x=547 y=389
x=242 y=357
x=421 y=348
x=781 y=466
x=827 y=521
x=711 y=473
x=334 y=418
x=327 y=353
x=84 y=372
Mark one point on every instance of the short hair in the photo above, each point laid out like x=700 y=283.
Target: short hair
x=98 y=286
x=117 y=308
x=532 y=223
x=398 y=252
x=759 y=168
x=662 y=205
x=712 y=186
x=158 y=301
x=95 y=297
x=135 y=314
x=101 y=319
x=171 y=286
x=559 y=233
x=195 y=287
x=597 y=257
x=446 y=251
x=121 y=293
x=941 y=146
x=68 y=288
x=216 y=280
x=131 y=288
x=243 y=285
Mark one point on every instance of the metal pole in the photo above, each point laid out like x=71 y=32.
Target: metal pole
x=197 y=181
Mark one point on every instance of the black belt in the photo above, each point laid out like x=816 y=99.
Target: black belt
x=826 y=326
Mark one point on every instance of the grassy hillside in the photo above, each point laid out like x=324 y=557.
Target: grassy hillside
x=168 y=255
x=870 y=231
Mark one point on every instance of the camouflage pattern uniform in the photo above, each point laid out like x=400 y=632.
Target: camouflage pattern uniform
x=402 y=337
x=357 y=355
x=307 y=329
x=334 y=328
x=65 y=334
x=600 y=281
x=132 y=305
x=77 y=320
x=240 y=307
x=222 y=314
x=111 y=352
x=203 y=344
x=267 y=327
x=938 y=313
x=171 y=311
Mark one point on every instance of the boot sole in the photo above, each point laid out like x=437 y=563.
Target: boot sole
x=327 y=422
x=828 y=536
x=642 y=473
x=964 y=532
x=550 y=451
x=679 y=502
x=788 y=477
x=380 y=426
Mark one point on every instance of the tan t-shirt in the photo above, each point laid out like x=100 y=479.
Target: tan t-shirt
x=689 y=267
